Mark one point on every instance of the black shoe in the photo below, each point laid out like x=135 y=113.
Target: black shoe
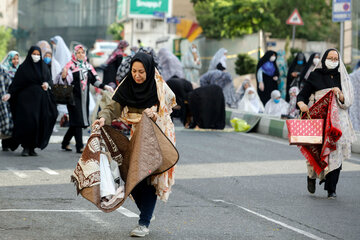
x=67 y=148
x=331 y=195
x=79 y=150
x=311 y=185
x=32 y=152
x=25 y=152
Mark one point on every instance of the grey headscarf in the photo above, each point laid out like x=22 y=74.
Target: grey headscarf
x=219 y=57
x=170 y=64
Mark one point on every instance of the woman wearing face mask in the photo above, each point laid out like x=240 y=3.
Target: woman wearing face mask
x=32 y=104
x=81 y=74
x=314 y=59
x=293 y=76
x=8 y=69
x=276 y=106
x=251 y=102
x=330 y=75
x=192 y=64
x=267 y=74
x=52 y=63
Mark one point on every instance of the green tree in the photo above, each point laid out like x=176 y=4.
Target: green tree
x=5 y=38
x=316 y=14
x=245 y=64
x=115 y=29
x=232 y=18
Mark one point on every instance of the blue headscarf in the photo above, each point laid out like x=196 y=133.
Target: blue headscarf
x=7 y=64
x=269 y=68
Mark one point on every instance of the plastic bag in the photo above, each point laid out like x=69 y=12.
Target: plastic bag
x=239 y=125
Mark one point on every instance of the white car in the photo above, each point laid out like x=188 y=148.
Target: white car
x=101 y=51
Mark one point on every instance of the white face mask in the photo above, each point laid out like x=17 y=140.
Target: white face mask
x=330 y=64
x=272 y=58
x=316 y=61
x=35 y=58
x=193 y=50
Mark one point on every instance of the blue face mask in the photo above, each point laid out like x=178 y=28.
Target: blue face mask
x=47 y=60
x=276 y=101
x=300 y=62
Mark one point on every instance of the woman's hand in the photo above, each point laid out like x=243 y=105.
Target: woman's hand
x=150 y=114
x=108 y=88
x=6 y=97
x=261 y=86
x=275 y=78
x=45 y=86
x=64 y=73
x=338 y=93
x=294 y=74
x=303 y=107
x=100 y=122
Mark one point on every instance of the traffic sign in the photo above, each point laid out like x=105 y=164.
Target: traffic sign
x=341 y=10
x=158 y=14
x=295 y=18
x=173 y=20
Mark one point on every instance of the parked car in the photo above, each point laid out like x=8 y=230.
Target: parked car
x=101 y=51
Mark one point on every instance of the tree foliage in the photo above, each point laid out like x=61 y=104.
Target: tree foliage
x=245 y=64
x=316 y=14
x=115 y=29
x=235 y=18
x=5 y=38
x=232 y=18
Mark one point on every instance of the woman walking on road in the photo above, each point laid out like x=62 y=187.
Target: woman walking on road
x=267 y=74
x=7 y=72
x=192 y=64
x=32 y=104
x=80 y=74
x=329 y=75
x=144 y=90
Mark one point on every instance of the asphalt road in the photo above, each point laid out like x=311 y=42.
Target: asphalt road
x=228 y=186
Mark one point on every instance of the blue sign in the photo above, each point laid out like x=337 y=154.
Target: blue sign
x=159 y=14
x=341 y=10
x=173 y=20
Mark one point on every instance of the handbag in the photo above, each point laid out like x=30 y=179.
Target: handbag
x=63 y=93
x=305 y=131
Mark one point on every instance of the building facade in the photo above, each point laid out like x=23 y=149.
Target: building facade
x=83 y=21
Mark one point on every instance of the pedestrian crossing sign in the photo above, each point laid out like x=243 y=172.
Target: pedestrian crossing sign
x=295 y=18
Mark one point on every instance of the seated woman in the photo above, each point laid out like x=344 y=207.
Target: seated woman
x=207 y=106
x=251 y=102
x=276 y=106
x=181 y=88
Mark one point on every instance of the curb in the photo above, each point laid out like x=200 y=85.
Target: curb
x=269 y=125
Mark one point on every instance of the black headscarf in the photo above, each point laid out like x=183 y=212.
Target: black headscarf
x=294 y=65
x=30 y=73
x=265 y=59
x=144 y=95
x=323 y=68
x=308 y=65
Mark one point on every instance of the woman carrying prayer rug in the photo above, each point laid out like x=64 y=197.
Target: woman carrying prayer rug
x=325 y=161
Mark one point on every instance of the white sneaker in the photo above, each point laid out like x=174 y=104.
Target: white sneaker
x=139 y=231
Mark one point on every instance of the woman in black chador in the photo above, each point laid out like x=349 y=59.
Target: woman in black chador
x=267 y=74
x=32 y=104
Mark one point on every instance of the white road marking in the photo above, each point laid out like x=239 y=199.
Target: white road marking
x=17 y=172
x=127 y=212
x=274 y=139
x=124 y=211
x=48 y=171
x=297 y=230
x=96 y=219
